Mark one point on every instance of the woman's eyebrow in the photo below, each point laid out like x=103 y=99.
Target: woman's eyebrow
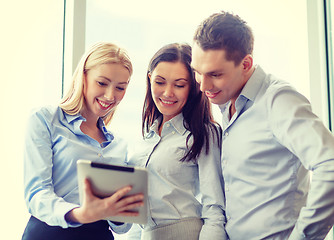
x=127 y=82
x=180 y=79
x=105 y=78
x=160 y=77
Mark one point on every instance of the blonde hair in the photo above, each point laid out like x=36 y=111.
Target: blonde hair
x=100 y=53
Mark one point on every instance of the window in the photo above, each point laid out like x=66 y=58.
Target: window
x=31 y=64
x=329 y=34
x=329 y=18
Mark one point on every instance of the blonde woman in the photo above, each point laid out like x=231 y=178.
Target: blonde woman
x=58 y=136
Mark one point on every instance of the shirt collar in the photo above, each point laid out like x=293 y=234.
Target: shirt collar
x=71 y=118
x=251 y=88
x=104 y=129
x=254 y=84
x=78 y=117
x=176 y=122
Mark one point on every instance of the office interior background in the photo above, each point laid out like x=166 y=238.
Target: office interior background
x=42 y=40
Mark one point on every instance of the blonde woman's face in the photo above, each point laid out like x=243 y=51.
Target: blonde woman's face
x=104 y=88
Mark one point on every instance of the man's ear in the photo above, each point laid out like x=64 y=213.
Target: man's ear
x=247 y=63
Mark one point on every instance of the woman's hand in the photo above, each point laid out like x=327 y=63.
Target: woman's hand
x=94 y=208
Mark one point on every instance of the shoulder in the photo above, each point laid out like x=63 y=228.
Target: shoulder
x=282 y=92
x=275 y=84
x=283 y=101
x=266 y=85
x=275 y=91
x=45 y=111
x=40 y=121
x=44 y=115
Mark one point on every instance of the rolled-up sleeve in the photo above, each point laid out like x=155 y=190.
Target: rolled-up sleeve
x=40 y=198
x=211 y=188
x=120 y=228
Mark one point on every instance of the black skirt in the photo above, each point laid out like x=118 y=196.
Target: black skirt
x=38 y=230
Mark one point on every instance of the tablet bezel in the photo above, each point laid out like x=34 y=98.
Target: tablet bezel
x=106 y=179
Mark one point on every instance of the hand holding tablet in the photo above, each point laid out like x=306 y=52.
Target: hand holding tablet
x=106 y=179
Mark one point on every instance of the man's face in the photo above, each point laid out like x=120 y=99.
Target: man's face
x=221 y=80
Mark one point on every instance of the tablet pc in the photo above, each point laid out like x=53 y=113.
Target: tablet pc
x=106 y=179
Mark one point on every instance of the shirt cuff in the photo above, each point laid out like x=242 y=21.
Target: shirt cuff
x=296 y=236
x=213 y=232
x=120 y=229
x=65 y=224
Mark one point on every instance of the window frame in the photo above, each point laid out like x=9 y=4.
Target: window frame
x=329 y=60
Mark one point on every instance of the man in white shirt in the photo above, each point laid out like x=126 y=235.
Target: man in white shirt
x=271 y=140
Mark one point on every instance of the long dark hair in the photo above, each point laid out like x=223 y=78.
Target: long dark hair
x=197 y=113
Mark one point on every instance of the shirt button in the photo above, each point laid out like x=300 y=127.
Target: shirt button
x=167 y=124
x=226 y=134
x=228 y=217
x=99 y=155
x=173 y=132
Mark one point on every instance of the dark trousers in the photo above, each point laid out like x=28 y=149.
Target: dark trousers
x=38 y=230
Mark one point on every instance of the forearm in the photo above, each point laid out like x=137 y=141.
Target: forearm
x=214 y=226
x=317 y=217
x=76 y=216
x=49 y=208
x=211 y=188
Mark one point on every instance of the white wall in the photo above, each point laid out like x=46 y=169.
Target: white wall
x=30 y=63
